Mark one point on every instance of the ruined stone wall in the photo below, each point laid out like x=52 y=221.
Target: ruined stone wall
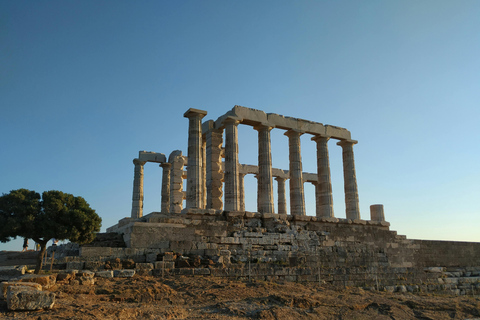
x=297 y=248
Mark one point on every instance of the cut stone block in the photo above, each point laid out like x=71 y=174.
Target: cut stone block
x=5 y=285
x=28 y=298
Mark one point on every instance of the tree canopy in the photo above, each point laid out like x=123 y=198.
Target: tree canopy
x=56 y=215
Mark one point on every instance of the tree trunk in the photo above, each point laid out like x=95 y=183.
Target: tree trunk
x=43 y=247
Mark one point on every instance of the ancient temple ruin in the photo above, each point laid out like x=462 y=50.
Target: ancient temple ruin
x=209 y=178
x=208 y=222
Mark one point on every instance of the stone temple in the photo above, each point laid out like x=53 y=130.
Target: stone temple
x=208 y=220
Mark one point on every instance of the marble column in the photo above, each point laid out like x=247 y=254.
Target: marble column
x=194 y=168
x=176 y=181
x=214 y=175
x=297 y=195
x=241 y=190
x=166 y=187
x=282 y=201
x=137 y=198
x=204 y=172
x=265 y=179
x=350 y=179
x=232 y=199
x=376 y=212
x=323 y=189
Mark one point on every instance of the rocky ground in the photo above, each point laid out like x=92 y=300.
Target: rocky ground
x=181 y=297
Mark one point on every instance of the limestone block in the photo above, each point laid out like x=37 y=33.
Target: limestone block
x=46 y=281
x=201 y=271
x=143 y=266
x=337 y=132
x=152 y=157
x=151 y=257
x=249 y=115
x=86 y=277
x=126 y=273
x=230 y=240
x=104 y=274
x=434 y=269
x=268 y=215
x=234 y=213
x=169 y=256
x=164 y=265
x=5 y=285
x=28 y=298
x=253 y=234
x=11 y=271
x=249 y=214
x=184 y=271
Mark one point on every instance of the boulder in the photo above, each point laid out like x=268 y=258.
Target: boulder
x=28 y=298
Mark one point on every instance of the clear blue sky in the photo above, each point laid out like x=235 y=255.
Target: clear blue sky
x=85 y=85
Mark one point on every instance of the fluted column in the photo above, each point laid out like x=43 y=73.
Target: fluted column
x=176 y=181
x=297 y=195
x=241 y=190
x=232 y=199
x=137 y=198
x=214 y=175
x=194 y=168
x=265 y=180
x=350 y=180
x=204 y=172
x=323 y=189
x=282 y=201
x=166 y=187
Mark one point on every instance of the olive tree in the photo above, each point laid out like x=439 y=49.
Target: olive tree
x=23 y=213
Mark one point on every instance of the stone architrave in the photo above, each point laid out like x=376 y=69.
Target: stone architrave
x=137 y=198
x=323 y=189
x=214 y=169
x=241 y=190
x=282 y=200
x=176 y=181
x=232 y=195
x=166 y=187
x=265 y=179
x=297 y=195
x=350 y=180
x=195 y=155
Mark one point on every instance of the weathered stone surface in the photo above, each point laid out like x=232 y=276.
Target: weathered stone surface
x=124 y=273
x=86 y=277
x=9 y=272
x=104 y=274
x=28 y=298
x=46 y=281
x=5 y=285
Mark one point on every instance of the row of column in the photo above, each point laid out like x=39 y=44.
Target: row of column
x=234 y=193
x=207 y=177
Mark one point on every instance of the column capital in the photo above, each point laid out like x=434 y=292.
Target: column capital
x=231 y=120
x=263 y=126
x=280 y=179
x=192 y=113
x=165 y=165
x=139 y=162
x=320 y=137
x=344 y=143
x=293 y=133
